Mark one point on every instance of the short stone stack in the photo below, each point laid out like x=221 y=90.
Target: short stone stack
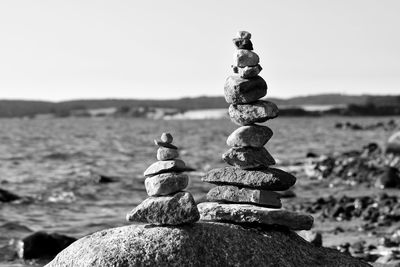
x=167 y=203
x=245 y=191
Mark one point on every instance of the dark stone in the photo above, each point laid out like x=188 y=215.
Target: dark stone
x=199 y=244
x=240 y=91
x=103 y=178
x=243 y=58
x=243 y=35
x=248 y=157
x=265 y=179
x=242 y=43
x=248 y=72
x=7 y=196
x=253 y=136
x=389 y=179
x=42 y=245
x=259 y=111
x=164 y=144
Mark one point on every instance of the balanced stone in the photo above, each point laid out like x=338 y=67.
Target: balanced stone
x=167 y=138
x=166 y=210
x=259 y=111
x=230 y=193
x=164 y=144
x=267 y=179
x=165 y=153
x=241 y=91
x=243 y=34
x=158 y=167
x=249 y=72
x=166 y=183
x=253 y=135
x=250 y=214
x=243 y=58
x=242 y=43
x=248 y=157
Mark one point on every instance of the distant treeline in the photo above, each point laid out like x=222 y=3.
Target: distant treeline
x=356 y=105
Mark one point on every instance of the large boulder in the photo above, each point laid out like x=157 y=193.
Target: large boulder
x=199 y=244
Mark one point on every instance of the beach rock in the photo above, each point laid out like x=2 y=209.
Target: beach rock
x=235 y=194
x=167 y=138
x=165 y=153
x=243 y=58
x=242 y=43
x=250 y=214
x=199 y=244
x=103 y=178
x=176 y=209
x=267 y=179
x=242 y=91
x=164 y=144
x=390 y=178
x=253 y=136
x=7 y=196
x=249 y=72
x=259 y=111
x=243 y=35
x=248 y=157
x=393 y=144
x=42 y=245
x=158 y=167
x=166 y=183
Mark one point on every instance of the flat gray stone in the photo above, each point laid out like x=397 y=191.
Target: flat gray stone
x=247 y=72
x=166 y=184
x=250 y=214
x=253 y=135
x=164 y=144
x=241 y=91
x=259 y=111
x=175 y=165
x=243 y=34
x=229 y=193
x=248 y=157
x=266 y=179
x=243 y=58
x=177 y=209
x=243 y=43
x=165 y=153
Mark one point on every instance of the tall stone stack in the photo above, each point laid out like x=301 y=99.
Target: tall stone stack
x=245 y=191
x=167 y=204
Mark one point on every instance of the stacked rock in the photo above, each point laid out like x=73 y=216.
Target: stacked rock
x=245 y=191
x=167 y=203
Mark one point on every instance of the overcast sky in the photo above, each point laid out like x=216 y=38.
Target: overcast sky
x=56 y=50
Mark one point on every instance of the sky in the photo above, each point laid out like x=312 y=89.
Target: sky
x=79 y=49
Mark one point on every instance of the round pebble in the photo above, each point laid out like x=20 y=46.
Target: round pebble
x=167 y=138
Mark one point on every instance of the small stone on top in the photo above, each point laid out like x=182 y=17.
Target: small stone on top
x=243 y=34
x=167 y=138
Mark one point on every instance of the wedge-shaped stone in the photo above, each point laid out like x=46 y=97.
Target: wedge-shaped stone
x=243 y=58
x=165 y=153
x=243 y=43
x=241 y=91
x=229 y=193
x=247 y=114
x=250 y=214
x=253 y=135
x=158 y=167
x=166 y=184
x=164 y=144
x=167 y=210
x=266 y=179
x=248 y=157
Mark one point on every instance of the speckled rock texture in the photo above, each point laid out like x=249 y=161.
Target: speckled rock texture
x=259 y=111
x=266 y=179
x=166 y=183
x=248 y=157
x=175 y=165
x=243 y=58
x=199 y=244
x=253 y=135
x=241 y=91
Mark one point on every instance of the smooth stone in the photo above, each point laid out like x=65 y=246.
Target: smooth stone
x=165 y=153
x=393 y=144
x=175 y=165
x=253 y=136
x=259 y=111
x=235 y=194
x=249 y=72
x=166 y=183
x=267 y=179
x=167 y=138
x=242 y=43
x=250 y=214
x=199 y=244
x=243 y=58
x=176 y=209
x=243 y=35
x=241 y=91
x=248 y=157
x=164 y=144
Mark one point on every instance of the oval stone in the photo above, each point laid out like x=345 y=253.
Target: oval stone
x=243 y=34
x=253 y=135
x=243 y=58
x=259 y=111
x=241 y=91
x=165 y=153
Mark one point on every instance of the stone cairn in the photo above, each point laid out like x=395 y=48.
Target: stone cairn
x=167 y=203
x=245 y=191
